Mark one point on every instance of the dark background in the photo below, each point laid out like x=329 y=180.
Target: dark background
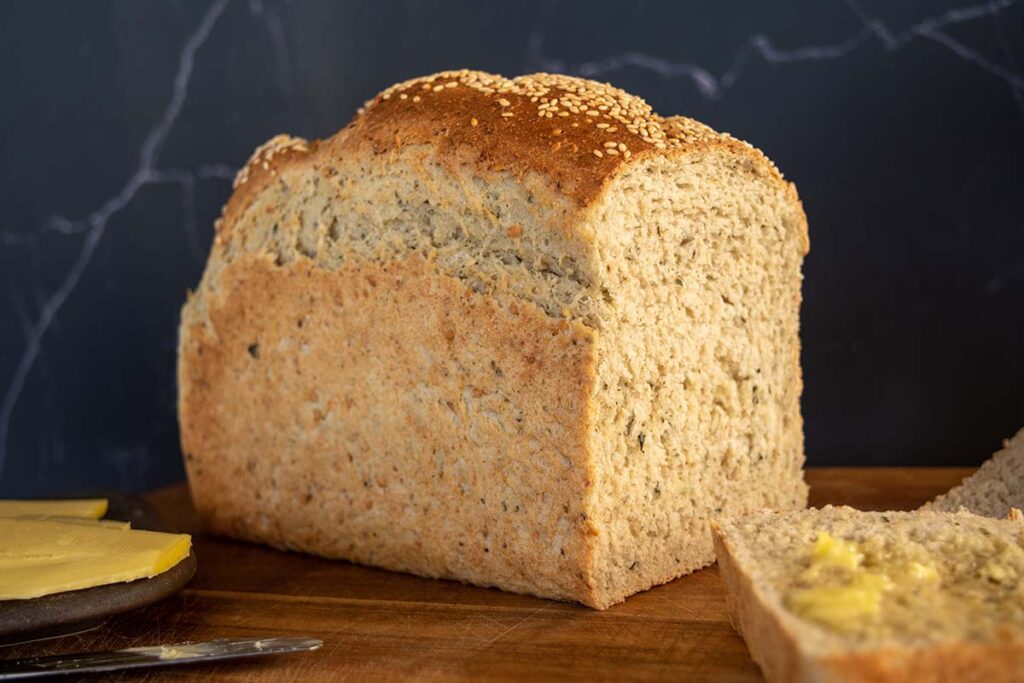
x=123 y=122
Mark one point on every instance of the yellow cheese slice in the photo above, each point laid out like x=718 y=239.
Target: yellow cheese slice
x=111 y=523
x=92 y=508
x=39 y=556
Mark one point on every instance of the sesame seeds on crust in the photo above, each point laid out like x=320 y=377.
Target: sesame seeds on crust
x=612 y=111
x=576 y=132
x=264 y=155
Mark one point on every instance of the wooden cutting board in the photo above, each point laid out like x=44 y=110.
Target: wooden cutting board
x=381 y=626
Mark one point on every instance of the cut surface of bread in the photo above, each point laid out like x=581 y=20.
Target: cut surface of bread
x=521 y=333
x=992 y=491
x=841 y=595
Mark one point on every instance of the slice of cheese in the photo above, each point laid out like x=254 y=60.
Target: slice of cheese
x=43 y=556
x=112 y=523
x=92 y=508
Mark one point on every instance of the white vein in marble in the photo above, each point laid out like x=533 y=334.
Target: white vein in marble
x=92 y=227
x=760 y=45
x=95 y=224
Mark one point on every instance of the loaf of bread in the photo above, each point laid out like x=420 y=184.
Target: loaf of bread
x=521 y=333
x=994 y=489
x=841 y=595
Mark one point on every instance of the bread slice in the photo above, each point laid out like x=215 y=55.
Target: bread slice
x=994 y=489
x=893 y=596
x=522 y=333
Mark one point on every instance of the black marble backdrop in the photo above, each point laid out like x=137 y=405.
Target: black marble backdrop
x=123 y=122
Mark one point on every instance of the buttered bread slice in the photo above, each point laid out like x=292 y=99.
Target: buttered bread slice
x=841 y=595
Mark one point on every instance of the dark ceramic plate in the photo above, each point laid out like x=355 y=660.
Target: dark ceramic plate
x=51 y=614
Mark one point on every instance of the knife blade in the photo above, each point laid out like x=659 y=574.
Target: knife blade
x=160 y=655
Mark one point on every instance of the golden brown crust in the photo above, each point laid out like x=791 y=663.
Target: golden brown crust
x=1000 y=661
x=773 y=646
x=387 y=415
x=512 y=127
x=265 y=165
x=577 y=134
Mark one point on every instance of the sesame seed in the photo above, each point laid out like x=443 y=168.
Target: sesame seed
x=507 y=114
x=416 y=98
x=578 y=100
x=473 y=122
x=597 y=153
x=556 y=131
x=610 y=145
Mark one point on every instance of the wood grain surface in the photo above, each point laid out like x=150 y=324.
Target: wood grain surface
x=382 y=626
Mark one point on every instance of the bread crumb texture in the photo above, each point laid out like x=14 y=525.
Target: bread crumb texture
x=994 y=489
x=849 y=595
x=523 y=333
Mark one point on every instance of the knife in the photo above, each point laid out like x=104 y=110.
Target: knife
x=160 y=655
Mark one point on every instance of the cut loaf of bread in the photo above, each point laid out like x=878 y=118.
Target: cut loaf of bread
x=906 y=596
x=521 y=333
x=994 y=489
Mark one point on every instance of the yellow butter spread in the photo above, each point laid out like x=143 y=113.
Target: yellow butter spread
x=832 y=552
x=91 y=508
x=43 y=556
x=839 y=589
